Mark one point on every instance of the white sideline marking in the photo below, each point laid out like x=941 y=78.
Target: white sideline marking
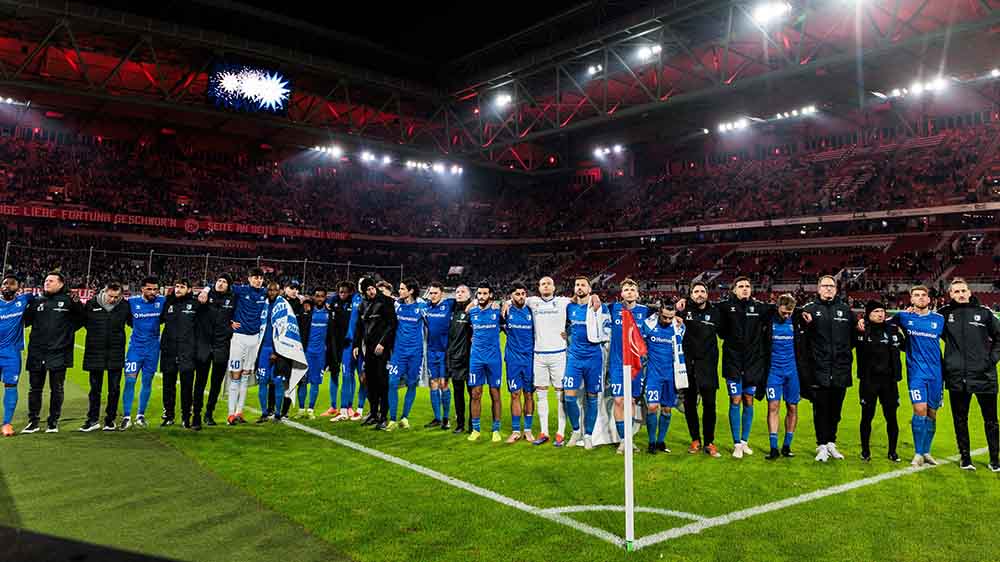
x=638 y=509
x=489 y=494
x=728 y=518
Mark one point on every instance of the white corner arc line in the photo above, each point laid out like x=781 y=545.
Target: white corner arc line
x=734 y=516
x=638 y=509
x=462 y=485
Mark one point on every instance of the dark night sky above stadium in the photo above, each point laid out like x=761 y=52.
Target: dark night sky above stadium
x=410 y=40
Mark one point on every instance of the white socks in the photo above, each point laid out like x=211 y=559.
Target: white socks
x=561 y=413
x=543 y=409
x=244 y=385
x=233 y=386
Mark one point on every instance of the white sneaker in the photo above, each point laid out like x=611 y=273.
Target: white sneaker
x=822 y=454
x=928 y=459
x=746 y=448
x=621 y=448
x=834 y=453
x=574 y=440
x=738 y=451
x=339 y=417
x=588 y=442
x=917 y=461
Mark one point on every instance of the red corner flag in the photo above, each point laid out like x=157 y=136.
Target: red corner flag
x=633 y=346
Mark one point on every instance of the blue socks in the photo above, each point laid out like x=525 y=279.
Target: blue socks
x=773 y=438
x=475 y=424
x=496 y=425
x=436 y=403
x=279 y=395
x=362 y=395
x=661 y=433
x=620 y=426
x=408 y=398
x=788 y=439
x=590 y=416
x=651 y=426
x=333 y=390
x=527 y=422
x=128 y=395
x=314 y=395
x=734 y=421
x=930 y=426
x=346 y=390
x=515 y=423
x=393 y=397
x=572 y=408
x=9 y=403
x=147 y=388
x=747 y=422
x=301 y=394
x=446 y=402
x=261 y=395
x=919 y=431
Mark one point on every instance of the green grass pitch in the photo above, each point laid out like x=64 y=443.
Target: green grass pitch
x=280 y=493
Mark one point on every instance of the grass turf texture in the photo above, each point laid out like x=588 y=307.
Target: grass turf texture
x=257 y=492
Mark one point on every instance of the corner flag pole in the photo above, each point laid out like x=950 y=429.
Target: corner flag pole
x=629 y=489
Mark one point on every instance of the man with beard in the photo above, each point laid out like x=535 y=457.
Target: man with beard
x=629 y=301
x=484 y=361
x=12 y=310
x=879 y=372
x=104 y=352
x=266 y=359
x=54 y=316
x=438 y=314
x=143 y=350
x=344 y=305
x=373 y=340
x=584 y=363
x=519 y=356
x=701 y=350
x=213 y=334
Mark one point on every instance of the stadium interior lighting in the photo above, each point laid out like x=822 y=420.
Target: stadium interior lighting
x=410 y=164
x=594 y=69
x=704 y=131
x=767 y=12
x=598 y=153
x=456 y=170
x=647 y=51
x=439 y=167
x=601 y=151
x=367 y=156
x=995 y=73
x=617 y=149
x=503 y=100
x=386 y=160
x=335 y=151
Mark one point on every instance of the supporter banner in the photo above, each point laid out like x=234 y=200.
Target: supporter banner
x=190 y=225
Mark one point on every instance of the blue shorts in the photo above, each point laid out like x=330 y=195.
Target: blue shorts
x=485 y=372
x=405 y=367
x=143 y=360
x=783 y=386
x=735 y=388
x=10 y=369
x=265 y=370
x=435 y=365
x=520 y=376
x=314 y=370
x=660 y=390
x=926 y=390
x=583 y=372
x=616 y=375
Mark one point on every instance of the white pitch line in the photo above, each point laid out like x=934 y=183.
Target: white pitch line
x=462 y=485
x=638 y=509
x=728 y=518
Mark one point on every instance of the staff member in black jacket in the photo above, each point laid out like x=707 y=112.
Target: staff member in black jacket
x=971 y=351
x=177 y=352
x=213 y=333
x=106 y=316
x=744 y=364
x=458 y=353
x=374 y=335
x=830 y=335
x=701 y=356
x=879 y=372
x=54 y=316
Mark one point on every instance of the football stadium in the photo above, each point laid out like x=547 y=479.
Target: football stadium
x=559 y=281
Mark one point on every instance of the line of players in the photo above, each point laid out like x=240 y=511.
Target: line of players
x=777 y=352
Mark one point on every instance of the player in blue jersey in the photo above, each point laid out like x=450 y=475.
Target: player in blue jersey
x=519 y=355
x=346 y=301
x=484 y=360
x=12 y=307
x=630 y=302
x=316 y=339
x=143 y=349
x=783 y=376
x=923 y=330
x=408 y=352
x=250 y=311
x=664 y=335
x=438 y=314
x=266 y=357
x=584 y=362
